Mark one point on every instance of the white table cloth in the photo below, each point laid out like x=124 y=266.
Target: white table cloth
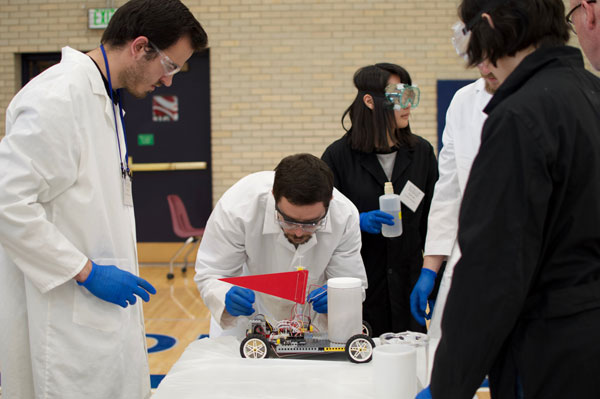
x=213 y=368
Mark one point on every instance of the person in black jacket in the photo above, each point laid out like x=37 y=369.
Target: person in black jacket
x=524 y=305
x=380 y=147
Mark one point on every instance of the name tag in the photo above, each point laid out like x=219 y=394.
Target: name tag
x=411 y=196
x=127 y=194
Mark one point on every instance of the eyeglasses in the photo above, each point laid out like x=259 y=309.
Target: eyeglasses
x=403 y=95
x=288 y=223
x=570 y=14
x=169 y=66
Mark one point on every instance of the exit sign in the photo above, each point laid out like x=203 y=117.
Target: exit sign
x=145 y=139
x=98 y=17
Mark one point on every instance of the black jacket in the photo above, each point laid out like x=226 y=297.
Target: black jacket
x=525 y=297
x=393 y=264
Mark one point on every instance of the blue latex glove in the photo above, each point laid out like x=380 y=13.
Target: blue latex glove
x=318 y=298
x=239 y=300
x=419 y=295
x=424 y=394
x=117 y=286
x=370 y=222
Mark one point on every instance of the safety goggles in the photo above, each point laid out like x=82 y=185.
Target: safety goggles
x=460 y=39
x=169 y=66
x=288 y=223
x=406 y=337
x=403 y=95
x=462 y=32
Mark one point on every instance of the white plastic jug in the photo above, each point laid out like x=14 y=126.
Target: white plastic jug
x=344 y=308
x=390 y=203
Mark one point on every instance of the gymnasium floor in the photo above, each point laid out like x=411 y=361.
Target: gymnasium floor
x=176 y=316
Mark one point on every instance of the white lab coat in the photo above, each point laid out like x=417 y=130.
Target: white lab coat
x=242 y=237
x=61 y=202
x=461 y=140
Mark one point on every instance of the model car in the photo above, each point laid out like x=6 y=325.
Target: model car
x=293 y=337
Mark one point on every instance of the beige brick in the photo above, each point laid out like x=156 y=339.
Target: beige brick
x=281 y=70
x=50 y=6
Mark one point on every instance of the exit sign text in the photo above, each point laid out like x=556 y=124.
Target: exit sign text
x=98 y=17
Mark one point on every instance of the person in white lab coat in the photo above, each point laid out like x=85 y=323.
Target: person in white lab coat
x=273 y=222
x=71 y=325
x=461 y=139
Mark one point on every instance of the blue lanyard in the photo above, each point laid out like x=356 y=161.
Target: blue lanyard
x=124 y=168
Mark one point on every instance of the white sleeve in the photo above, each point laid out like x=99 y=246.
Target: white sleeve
x=39 y=160
x=221 y=253
x=442 y=224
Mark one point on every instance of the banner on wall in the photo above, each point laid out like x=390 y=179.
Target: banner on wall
x=165 y=109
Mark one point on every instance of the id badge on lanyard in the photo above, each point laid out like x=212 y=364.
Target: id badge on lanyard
x=127 y=194
x=125 y=171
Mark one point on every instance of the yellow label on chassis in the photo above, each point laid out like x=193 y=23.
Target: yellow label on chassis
x=326 y=349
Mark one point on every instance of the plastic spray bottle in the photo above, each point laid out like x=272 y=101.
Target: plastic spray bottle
x=390 y=203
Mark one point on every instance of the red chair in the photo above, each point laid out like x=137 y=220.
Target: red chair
x=183 y=229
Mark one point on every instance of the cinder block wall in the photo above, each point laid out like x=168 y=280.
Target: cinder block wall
x=281 y=70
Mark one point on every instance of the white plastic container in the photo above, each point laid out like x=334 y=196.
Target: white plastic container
x=394 y=368
x=344 y=308
x=390 y=203
x=418 y=341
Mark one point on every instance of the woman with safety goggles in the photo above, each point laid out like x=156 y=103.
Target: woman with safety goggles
x=380 y=147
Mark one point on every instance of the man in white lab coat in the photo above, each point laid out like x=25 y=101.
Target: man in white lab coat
x=461 y=139
x=272 y=222
x=71 y=326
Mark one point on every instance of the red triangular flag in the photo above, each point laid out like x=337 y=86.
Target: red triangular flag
x=288 y=285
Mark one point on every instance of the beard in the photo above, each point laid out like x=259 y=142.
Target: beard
x=133 y=77
x=292 y=238
x=489 y=88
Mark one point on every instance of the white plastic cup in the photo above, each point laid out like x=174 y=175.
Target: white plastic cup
x=395 y=372
x=420 y=342
x=344 y=308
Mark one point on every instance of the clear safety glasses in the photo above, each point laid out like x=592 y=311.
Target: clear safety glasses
x=288 y=223
x=169 y=66
x=403 y=95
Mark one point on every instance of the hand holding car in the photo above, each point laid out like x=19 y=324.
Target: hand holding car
x=318 y=298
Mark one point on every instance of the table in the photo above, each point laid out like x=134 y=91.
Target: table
x=213 y=368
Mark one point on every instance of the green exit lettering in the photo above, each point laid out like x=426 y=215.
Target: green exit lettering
x=98 y=17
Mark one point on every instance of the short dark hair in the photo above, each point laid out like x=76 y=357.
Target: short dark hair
x=163 y=22
x=370 y=127
x=518 y=24
x=303 y=179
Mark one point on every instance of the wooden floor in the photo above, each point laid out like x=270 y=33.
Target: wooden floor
x=178 y=311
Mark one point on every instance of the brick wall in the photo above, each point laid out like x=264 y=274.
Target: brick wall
x=281 y=70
